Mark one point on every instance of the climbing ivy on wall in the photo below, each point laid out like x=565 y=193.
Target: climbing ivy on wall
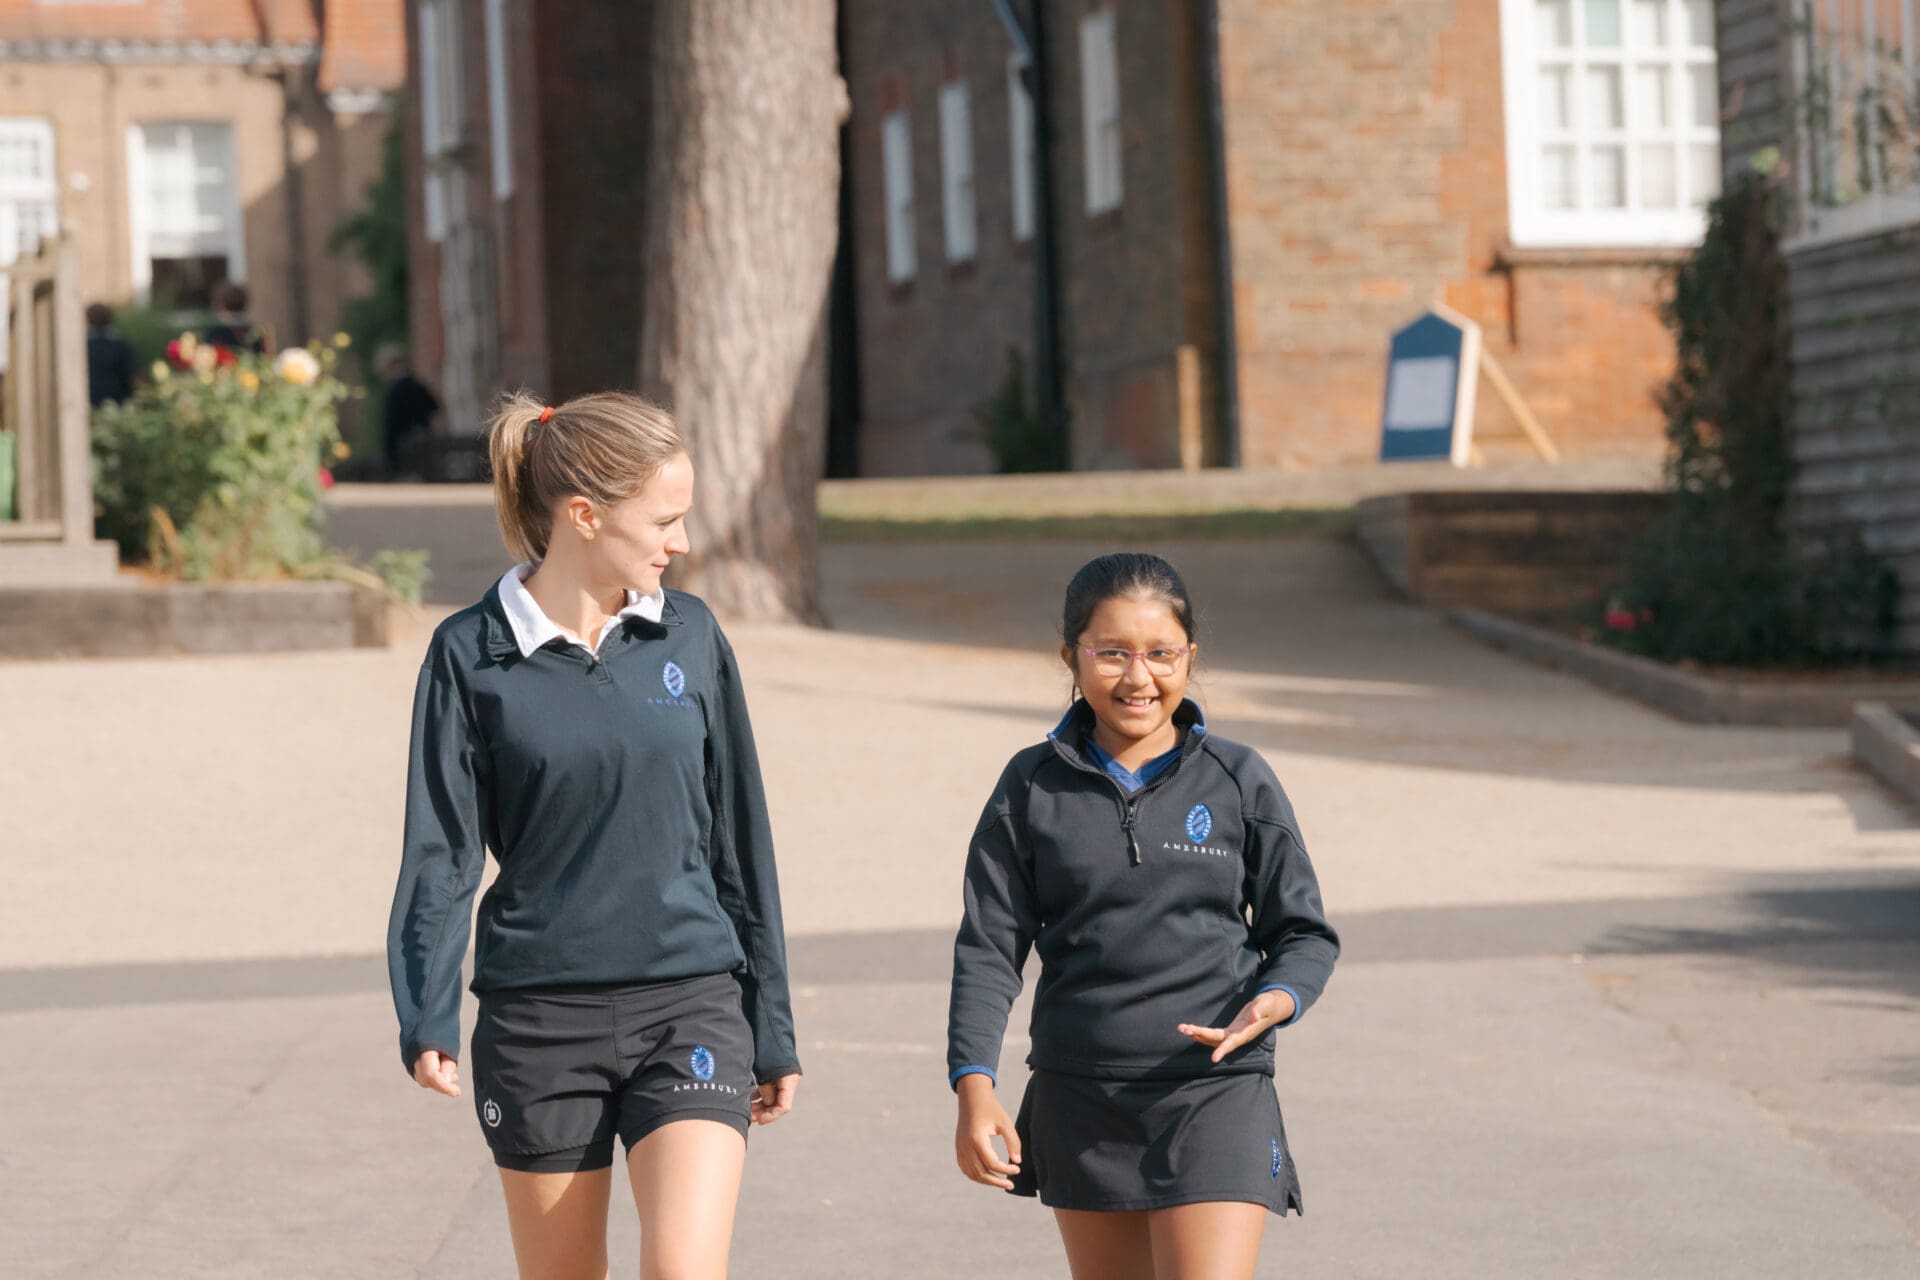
x=1722 y=577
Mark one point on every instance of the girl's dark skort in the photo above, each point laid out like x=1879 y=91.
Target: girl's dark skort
x=559 y=1072
x=1131 y=1145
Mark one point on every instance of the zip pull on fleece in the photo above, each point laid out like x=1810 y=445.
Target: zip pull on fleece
x=1133 y=836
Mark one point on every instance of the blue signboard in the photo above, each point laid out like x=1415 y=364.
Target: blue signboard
x=1433 y=366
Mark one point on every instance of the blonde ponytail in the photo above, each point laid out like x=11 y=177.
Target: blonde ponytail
x=603 y=446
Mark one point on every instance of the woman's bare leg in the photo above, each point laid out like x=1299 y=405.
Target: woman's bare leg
x=686 y=1182
x=559 y=1223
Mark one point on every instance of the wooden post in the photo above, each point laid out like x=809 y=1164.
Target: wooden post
x=70 y=403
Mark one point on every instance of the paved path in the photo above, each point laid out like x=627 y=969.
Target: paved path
x=1622 y=997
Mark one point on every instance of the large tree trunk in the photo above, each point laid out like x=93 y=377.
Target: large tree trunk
x=743 y=179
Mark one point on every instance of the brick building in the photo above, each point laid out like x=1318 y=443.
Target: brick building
x=185 y=144
x=527 y=146
x=1232 y=261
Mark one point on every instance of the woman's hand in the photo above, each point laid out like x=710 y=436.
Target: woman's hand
x=774 y=1099
x=1268 y=1009
x=433 y=1071
x=981 y=1118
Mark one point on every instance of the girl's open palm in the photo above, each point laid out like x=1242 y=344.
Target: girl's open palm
x=1268 y=1009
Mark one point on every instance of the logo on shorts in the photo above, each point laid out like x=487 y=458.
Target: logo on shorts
x=702 y=1062
x=1199 y=823
x=1278 y=1159
x=491 y=1114
x=674 y=678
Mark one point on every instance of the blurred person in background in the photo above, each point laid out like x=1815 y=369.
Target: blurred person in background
x=406 y=412
x=110 y=373
x=231 y=328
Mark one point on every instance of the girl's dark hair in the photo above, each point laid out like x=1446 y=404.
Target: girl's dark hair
x=1124 y=574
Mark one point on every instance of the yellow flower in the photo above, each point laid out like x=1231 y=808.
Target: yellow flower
x=205 y=359
x=249 y=380
x=342 y=341
x=160 y=371
x=341 y=450
x=188 y=344
x=297 y=365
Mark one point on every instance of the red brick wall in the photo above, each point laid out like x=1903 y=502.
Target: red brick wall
x=935 y=348
x=1367 y=177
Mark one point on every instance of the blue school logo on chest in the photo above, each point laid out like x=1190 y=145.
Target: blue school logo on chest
x=1199 y=826
x=674 y=681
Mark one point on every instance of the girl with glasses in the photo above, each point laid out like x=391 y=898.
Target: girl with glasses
x=1158 y=870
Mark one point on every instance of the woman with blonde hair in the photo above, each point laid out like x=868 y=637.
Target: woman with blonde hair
x=588 y=726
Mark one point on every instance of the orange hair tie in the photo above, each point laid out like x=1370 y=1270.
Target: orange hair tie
x=545 y=414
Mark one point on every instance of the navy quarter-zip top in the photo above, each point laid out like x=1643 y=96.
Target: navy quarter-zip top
x=1178 y=902
x=620 y=794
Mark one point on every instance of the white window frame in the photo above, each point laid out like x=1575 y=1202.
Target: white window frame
x=1853 y=205
x=1020 y=146
x=499 y=100
x=896 y=170
x=1100 y=112
x=1530 y=223
x=440 y=111
x=139 y=219
x=24 y=199
x=958 y=216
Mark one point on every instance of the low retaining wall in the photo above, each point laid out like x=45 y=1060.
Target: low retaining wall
x=1885 y=741
x=1530 y=554
x=1687 y=695
x=136 y=620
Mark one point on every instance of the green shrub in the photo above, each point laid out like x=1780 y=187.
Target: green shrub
x=1015 y=435
x=1722 y=578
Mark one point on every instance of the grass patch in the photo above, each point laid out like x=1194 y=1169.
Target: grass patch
x=1293 y=523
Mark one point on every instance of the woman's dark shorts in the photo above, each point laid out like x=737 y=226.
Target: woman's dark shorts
x=1128 y=1145
x=558 y=1072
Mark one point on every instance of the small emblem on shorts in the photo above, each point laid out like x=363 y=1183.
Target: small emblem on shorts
x=491 y=1114
x=702 y=1062
x=674 y=678
x=1278 y=1159
x=1199 y=823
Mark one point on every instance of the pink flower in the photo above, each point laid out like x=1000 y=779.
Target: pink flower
x=326 y=478
x=1619 y=619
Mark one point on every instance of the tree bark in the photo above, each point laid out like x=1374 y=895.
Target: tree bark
x=741 y=221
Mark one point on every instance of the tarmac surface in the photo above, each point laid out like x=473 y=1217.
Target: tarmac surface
x=1621 y=996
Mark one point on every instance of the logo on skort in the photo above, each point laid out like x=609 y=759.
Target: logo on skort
x=1199 y=823
x=702 y=1062
x=491 y=1114
x=674 y=678
x=1278 y=1159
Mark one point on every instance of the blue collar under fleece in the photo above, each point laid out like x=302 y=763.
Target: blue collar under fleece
x=1080 y=736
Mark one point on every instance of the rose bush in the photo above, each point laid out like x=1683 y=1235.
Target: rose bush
x=214 y=469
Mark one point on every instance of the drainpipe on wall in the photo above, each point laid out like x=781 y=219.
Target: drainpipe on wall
x=1207 y=15
x=1049 y=376
x=293 y=83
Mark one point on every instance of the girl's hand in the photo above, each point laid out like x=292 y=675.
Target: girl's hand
x=1265 y=1010
x=433 y=1071
x=981 y=1118
x=773 y=1099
